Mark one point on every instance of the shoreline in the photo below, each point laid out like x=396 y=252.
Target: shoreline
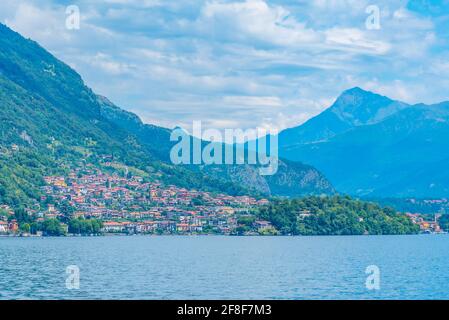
x=220 y=235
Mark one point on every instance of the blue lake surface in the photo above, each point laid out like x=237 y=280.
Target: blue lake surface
x=211 y=267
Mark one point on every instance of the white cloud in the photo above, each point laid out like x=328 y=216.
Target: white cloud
x=39 y=23
x=248 y=101
x=238 y=63
x=255 y=20
x=139 y=3
x=355 y=40
x=110 y=66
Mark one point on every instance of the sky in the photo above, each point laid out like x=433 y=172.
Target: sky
x=244 y=64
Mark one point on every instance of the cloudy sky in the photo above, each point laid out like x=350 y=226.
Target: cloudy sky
x=243 y=64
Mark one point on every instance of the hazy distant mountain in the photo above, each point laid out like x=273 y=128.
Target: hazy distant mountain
x=367 y=144
x=355 y=107
x=292 y=178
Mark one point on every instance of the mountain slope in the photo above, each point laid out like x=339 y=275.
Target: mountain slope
x=51 y=121
x=353 y=108
x=157 y=139
x=398 y=150
x=292 y=178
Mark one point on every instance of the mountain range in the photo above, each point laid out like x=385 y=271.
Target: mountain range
x=51 y=121
x=365 y=144
x=292 y=178
x=369 y=145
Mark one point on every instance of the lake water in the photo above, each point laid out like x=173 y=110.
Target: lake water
x=210 y=267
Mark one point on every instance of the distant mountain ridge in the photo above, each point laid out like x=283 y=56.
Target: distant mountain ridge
x=354 y=107
x=292 y=179
x=370 y=145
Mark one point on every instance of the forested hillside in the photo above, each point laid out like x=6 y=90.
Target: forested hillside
x=335 y=216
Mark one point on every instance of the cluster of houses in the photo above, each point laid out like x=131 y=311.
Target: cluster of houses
x=130 y=204
x=7 y=226
x=424 y=225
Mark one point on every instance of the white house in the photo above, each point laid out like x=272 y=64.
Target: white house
x=3 y=227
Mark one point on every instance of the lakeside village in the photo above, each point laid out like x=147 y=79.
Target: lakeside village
x=129 y=205
x=91 y=202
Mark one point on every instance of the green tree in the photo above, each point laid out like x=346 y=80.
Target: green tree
x=444 y=222
x=85 y=226
x=21 y=216
x=52 y=227
x=25 y=227
x=335 y=215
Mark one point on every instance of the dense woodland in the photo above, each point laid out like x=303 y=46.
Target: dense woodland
x=335 y=215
